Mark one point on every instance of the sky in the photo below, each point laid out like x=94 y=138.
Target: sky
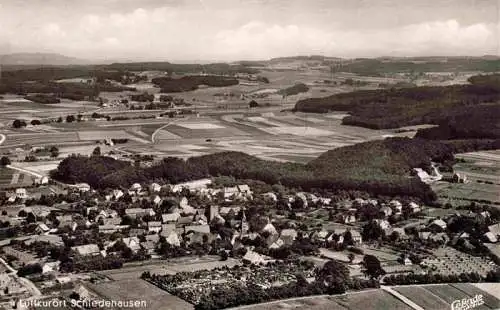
x=228 y=30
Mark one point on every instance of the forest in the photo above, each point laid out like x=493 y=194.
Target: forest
x=191 y=82
x=381 y=167
x=393 y=108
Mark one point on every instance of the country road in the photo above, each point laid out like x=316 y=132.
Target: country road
x=35 y=292
x=153 y=136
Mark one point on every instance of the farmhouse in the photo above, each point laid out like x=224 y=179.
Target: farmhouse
x=139 y=212
x=82 y=187
x=86 y=250
x=132 y=243
x=154 y=226
x=21 y=193
x=170 y=217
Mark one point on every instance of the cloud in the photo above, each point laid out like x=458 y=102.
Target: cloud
x=218 y=32
x=260 y=40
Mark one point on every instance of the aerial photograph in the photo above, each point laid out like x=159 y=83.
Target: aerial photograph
x=250 y=154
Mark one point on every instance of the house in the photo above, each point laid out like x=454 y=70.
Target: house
x=225 y=210
x=109 y=229
x=50 y=267
x=173 y=239
x=197 y=228
x=322 y=235
x=288 y=236
x=218 y=220
x=269 y=228
x=438 y=225
x=271 y=196
x=132 y=243
x=117 y=193
x=383 y=224
x=213 y=212
x=42 y=180
x=414 y=208
x=170 y=218
x=302 y=199
x=155 y=187
x=200 y=217
x=396 y=206
x=50 y=239
x=82 y=187
x=386 y=210
x=166 y=229
x=136 y=187
x=139 y=212
x=185 y=207
x=348 y=218
x=277 y=244
x=86 y=250
x=490 y=237
x=192 y=185
x=254 y=258
x=459 y=178
x=21 y=193
x=495 y=229
x=157 y=200
x=356 y=237
x=185 y=220
x=154 y=226
x=244 y=190
x=42 y=229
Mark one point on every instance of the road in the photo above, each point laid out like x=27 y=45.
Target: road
x=37 y=175
x=396 y=294
x=153 y=136
x=34 y=291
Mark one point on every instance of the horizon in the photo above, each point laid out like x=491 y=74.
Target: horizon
x=224 y=31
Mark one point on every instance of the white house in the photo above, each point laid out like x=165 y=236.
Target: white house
x=154 y=226
x=21 y=193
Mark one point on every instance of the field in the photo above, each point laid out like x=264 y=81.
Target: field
x=134 y=271
x=11 y=178
x=429 y=297
x=482 y=171
x=137 y=289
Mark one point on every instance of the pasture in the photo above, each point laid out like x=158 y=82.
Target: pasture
x=137 y=289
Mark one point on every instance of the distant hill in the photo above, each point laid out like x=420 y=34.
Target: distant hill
x=46 y=59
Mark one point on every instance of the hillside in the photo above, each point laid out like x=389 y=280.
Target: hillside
x=393 y=108
x=381 y=167
x=46 y=59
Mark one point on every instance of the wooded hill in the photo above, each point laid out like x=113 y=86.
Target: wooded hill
x=393 y=108
x=381 y=167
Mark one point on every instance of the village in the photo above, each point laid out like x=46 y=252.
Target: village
x=55 y=238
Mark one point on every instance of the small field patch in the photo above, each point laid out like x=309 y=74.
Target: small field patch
x=299 y=131
x=200 y=126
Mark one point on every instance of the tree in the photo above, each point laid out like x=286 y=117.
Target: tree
x=54 y=151
x=4 y=161
x=333 y=273
x=70 y=118
x=372 y=267
x=96 y=151
x=351 y=257
x=59 y=119
x=253 y=104
x=36 y=122
x=18 y=123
